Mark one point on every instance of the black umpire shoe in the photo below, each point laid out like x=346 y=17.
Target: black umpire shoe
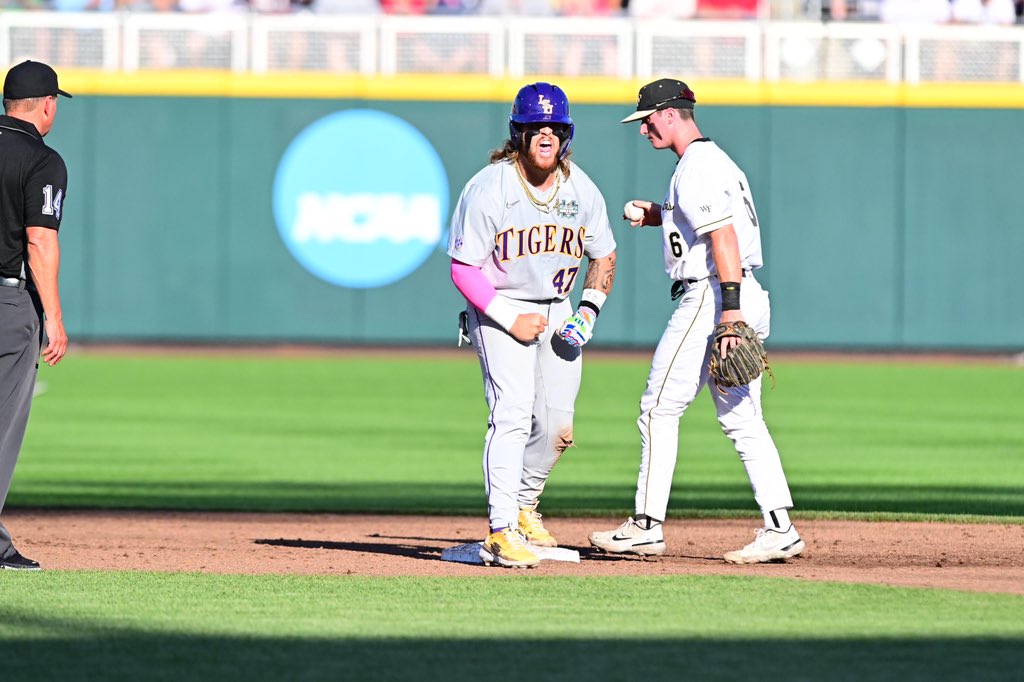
x=16 y=562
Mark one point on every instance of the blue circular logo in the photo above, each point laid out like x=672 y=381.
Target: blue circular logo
x=360 y=198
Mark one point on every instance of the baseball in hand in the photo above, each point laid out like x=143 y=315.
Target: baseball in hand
x=632 y=212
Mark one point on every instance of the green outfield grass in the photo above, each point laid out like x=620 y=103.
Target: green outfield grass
x=867 y=440
x=144 y=626
x=364 y=434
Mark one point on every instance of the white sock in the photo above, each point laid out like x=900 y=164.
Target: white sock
x=777 y=518
x=646 y=522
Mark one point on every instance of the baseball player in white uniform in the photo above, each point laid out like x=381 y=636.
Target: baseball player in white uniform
x=712 y=246
x=518 y=235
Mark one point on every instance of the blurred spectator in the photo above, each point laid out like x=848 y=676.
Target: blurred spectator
x=11 y=5
x=661 y=9
x=439 y=52
x=153 y=6
x=519 y=8
x=155 y=48
x=207 y=6
x=270 y=6
x=586 y=8
x=835 y=10
x=452 y=7
x=83 y=5
x=729 y=9
x=942 y=64
x=575 y=54
x=68 y=46
x=916 y=11
x=404 y=6
x=990 y=12
x=706 y=51
x=346 y=6
x=998 y=60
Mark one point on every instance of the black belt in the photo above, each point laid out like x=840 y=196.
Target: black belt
x=679 y=287
x=12 y=282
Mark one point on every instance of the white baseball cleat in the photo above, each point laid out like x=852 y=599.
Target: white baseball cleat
x=630 y=538
x=769 y=544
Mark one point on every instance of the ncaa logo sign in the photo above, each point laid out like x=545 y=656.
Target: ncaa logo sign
x=360 y=198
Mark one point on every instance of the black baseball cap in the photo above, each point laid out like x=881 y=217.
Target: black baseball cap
x=31 y=79
x=662 y=94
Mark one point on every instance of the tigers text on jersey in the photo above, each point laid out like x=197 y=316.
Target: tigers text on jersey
x=526 y=253
x=708 y=191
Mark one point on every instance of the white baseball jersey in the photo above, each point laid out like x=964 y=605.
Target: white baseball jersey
x=526 y=253
x=708 y=191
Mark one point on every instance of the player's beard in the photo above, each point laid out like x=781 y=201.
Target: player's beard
x=532 y=160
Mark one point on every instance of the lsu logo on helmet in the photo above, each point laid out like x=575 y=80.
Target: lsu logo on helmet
x=541 y=103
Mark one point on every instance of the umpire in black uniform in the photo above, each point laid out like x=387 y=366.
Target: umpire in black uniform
x=33 y=183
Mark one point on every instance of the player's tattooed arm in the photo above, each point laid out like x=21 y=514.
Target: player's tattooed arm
x=578 y=329
x=601 y=274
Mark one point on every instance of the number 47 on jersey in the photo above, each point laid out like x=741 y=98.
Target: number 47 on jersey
x=564 y=278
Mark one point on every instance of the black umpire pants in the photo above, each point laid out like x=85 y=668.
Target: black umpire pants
x=20 y=328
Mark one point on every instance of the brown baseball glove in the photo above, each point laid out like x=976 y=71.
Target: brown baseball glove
x=743 y=363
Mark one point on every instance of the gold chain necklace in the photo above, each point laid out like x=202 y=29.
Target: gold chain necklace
x=545 y=206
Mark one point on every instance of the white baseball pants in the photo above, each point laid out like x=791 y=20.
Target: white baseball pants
x=531 y=392
x=679 y=371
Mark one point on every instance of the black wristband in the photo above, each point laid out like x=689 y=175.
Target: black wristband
x=730 y=295
x=592 y=306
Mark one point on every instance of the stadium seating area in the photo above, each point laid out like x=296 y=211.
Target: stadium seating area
x=986 y=12
x=804 y=40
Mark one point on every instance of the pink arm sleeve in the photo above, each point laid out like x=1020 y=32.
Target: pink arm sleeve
x=472 y=284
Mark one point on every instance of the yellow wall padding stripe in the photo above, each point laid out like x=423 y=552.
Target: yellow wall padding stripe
x=454 y=88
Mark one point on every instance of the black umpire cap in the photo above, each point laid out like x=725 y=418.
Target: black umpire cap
x=31 y=79
x=664 y=93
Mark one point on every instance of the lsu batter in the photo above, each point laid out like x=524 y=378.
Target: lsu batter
x=712 y=245
x=519 y=232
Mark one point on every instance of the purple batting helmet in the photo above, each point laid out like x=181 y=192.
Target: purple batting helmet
x=542 y=103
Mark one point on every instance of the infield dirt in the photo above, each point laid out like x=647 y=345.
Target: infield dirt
x=974 y=557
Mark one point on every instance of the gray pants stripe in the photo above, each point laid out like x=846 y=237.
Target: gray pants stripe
x=19 y=360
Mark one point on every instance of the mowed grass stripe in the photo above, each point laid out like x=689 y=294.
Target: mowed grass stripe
x=366 y=433
x=345 y=606
x=87 y=625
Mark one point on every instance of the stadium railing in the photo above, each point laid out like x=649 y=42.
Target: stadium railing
x=612 y=48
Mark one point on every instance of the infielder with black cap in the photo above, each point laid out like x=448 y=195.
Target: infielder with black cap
x=712 y=246
x=33 y=184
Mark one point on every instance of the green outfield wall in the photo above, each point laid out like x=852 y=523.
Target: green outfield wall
x=889 y=226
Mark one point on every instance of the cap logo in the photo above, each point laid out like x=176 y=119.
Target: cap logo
x=546 y=105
